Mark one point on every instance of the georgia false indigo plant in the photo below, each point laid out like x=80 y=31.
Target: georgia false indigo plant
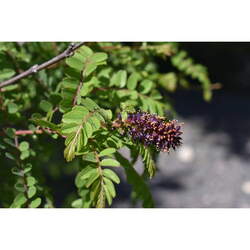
x=74 y=107
x=152 y=130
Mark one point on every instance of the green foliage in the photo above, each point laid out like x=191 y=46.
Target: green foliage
x=196 y=71
x=71 y=108
x=140 y=188
x=26 y=185
x=147 y=158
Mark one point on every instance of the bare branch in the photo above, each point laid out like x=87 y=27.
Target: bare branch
x=29 y=132
x=32 y=132
x=35 y=68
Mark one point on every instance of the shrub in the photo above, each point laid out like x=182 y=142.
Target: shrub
x=87 y=104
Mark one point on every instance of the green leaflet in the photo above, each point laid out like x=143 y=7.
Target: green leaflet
x=16 y=171
x=6 y=73
x=101 y=198
x=88 y=86
x=132 y=81
x=75 y=116
x=145 y=86
x=19 y=200
x=81 y=177
x=107 y=151
x=30 y=181
x=106 y=114
x=94 y=191
x=69 y=152
x=111 y=175
x=9 y=142
x=91 y=157
x=84 y=202
x=31 y=191
x=25 y=154
x=119 y=79
x=169 y=81
x=12 y=108
x=35 y=203
x=89 y=172
x=45 y=106
x=132 y=94
x=89 y=104
x=92 y=178
x=10 y=132
x=77 y=203
x=27 y=168
x=110 y=162
x=10 y=87
x=24 y=145
x=20 y=187
x=108 y=194
x=87 y=129
x=99 y=57
x=95 y=122
x=110 y=186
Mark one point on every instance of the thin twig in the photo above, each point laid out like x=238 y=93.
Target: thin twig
x=29 y=132
x=37 y=131
x=32 y=132
x=35 y=68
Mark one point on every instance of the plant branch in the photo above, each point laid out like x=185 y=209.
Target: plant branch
x=38 y=131
x=35 y=68
x=32 y=132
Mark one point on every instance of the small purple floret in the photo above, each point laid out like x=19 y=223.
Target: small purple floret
x=153 y=130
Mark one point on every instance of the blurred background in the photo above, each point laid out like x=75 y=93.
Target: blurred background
x=212 y=168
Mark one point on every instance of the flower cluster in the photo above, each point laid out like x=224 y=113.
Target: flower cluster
x=153 y=130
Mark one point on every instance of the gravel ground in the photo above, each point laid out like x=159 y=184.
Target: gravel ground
x=212 y=167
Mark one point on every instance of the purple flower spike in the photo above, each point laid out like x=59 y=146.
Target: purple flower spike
x=152 y=130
